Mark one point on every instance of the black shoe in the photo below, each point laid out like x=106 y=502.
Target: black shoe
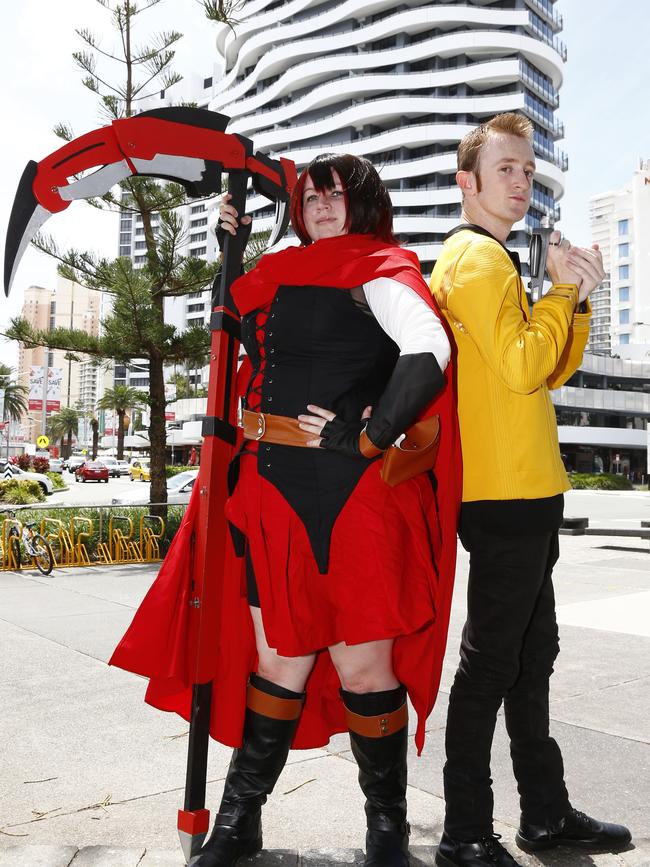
x=576 y=830
x=378 y=723
x=486 y=852
x=272 y=714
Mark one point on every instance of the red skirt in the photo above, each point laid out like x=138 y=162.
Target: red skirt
x=381 y=582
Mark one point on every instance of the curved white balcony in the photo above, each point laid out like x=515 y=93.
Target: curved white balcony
x=269 y=40
x=474 y=44
x=356 y=76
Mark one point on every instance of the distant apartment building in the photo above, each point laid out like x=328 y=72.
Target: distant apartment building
x=69 y=306
x=603 y=415
x=620 y=224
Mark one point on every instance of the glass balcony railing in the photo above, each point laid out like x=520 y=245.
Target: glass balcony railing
x=539 y=83
x=545 y=33
x=543 y=115
x=545 y=9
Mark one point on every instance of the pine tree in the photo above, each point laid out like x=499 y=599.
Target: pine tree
x=135 y=328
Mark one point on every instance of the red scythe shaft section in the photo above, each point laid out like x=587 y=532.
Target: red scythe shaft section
x=212 y=551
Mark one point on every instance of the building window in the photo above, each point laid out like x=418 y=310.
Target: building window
x=202 y=221
x=623 y=227
x=207 y=82
x=193 y=308
x=624 y=316
x=198 y=251
x=624 y=339
x=623 y=250
x=198 y=236
x=125 y=251
x=125 y=237
x=197 y=209
x=624 y=293
x=140 y=260
x=140 y=245
x=623 y=272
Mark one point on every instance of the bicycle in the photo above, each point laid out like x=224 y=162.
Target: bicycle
x=34 y=544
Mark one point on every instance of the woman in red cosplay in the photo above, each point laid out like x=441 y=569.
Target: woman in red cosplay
x=344 y=607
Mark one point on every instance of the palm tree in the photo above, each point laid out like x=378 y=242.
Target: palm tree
x=119 y=399
x=64 y=424
x=15 y=403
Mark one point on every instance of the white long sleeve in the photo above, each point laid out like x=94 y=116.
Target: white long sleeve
x=407 y=319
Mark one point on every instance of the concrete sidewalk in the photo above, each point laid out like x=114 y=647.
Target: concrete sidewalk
x=93 y=776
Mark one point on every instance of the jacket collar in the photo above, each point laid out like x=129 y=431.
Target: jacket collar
x=479 y=230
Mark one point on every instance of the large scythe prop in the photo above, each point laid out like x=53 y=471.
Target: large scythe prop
x=188 y=146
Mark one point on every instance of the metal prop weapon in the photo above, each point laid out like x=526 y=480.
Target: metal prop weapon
x=188 y=146
x=539 y=241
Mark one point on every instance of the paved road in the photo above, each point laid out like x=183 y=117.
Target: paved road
x=615 y=508
x=605 y=508
x=85 y=763
x=95 y=493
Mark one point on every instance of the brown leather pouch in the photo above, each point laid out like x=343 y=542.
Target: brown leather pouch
x=415 y=454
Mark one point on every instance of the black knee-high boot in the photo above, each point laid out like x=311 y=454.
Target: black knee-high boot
x=272 y=714
x=378 y=723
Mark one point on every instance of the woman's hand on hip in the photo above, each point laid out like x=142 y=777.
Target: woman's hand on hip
x=332 y=432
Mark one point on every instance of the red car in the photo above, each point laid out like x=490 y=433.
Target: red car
x=91 y=471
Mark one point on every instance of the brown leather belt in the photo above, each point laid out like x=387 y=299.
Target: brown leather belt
x=377 y=726
x=271 y=705
x=282 y=430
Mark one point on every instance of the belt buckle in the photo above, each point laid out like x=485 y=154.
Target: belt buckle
x=261 y=426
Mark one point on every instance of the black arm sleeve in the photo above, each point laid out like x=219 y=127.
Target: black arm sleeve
x=415 y=381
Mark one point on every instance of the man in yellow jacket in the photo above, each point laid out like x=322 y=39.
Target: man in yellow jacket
x=508 y=359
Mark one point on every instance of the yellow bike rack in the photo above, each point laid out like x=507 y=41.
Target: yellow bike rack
x=8 y=556
x=104 y=553
x=122 y=547
x=61 y=539
x=81 y=530
x=149 y=545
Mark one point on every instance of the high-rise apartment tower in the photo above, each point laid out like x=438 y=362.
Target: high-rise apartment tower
x=397 y=83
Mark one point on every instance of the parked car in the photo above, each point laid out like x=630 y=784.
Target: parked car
x=139 y=470
x=179 y=489
x=123 y=467
x=113 y=468
x=56 y=465
x=22 y=475
x=94 y=471
x=75 y=461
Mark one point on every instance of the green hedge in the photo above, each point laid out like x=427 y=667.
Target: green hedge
x=15 y=493
x=57 y=480
x=176 y=469
x=600 y=481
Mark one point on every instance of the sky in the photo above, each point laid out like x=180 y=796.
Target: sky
x=603 y=103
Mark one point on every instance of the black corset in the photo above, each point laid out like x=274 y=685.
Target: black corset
x=318 y=346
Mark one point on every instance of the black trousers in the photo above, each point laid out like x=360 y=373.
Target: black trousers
x=509 y=644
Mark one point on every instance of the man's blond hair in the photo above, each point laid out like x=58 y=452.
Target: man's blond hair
x=469 y=149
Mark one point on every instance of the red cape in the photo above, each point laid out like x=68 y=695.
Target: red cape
x=155 y=645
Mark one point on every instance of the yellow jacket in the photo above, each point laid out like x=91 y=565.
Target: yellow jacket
x=508 y=359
